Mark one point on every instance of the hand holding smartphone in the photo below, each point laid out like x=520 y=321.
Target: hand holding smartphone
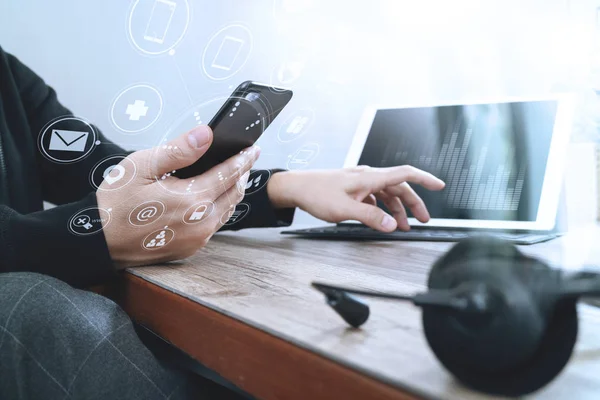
x=238 y=124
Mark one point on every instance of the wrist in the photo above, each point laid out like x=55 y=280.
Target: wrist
x=278 y=189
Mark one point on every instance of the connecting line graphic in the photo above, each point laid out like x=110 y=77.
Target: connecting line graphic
x=113 y=206
x=187 y=90
x=129 y=145
x=175 y=213
x=222 y=180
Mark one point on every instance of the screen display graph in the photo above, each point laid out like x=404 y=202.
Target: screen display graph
x=491 y=156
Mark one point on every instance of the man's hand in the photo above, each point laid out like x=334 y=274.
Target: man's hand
x=158 y=217
x=352 y=193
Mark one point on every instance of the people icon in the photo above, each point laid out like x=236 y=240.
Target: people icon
x=160 y=239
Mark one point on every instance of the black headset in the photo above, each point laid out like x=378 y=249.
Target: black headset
x=503 y=323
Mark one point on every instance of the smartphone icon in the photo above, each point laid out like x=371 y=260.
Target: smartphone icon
x=160 y=21
x=228 y=52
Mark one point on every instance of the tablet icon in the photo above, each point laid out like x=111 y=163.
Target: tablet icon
x=227 y=52
x=67 y=140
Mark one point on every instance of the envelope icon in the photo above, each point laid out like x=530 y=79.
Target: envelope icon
x=62 y=140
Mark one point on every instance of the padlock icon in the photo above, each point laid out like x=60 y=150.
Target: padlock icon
x=198 y=213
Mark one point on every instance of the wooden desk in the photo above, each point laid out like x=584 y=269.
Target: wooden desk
x=244 y=308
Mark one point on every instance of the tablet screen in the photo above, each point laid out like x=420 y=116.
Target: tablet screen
x=492 y=156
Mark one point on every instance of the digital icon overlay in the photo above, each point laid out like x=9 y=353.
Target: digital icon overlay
x=235 y=215
x=227 y=52
x=256 y=181
x=199 y=212
x=288 y=72
x=302 y=157
x=89 y=221
x=296 y=125
x=156 y=27
x=158 y=239
x=62 y=140
x=115 y=171
x=67 y=140
x=136 y=108
x=160 y=20
x=146 y=213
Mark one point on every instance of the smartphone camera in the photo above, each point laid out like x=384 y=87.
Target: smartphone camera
x=252 y=96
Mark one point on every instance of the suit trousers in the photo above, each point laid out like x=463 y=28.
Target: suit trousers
x=58 y=342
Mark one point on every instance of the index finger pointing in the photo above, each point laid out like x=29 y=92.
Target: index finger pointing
x=382 y=178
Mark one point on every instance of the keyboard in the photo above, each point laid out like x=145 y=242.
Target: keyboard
x=361 y=232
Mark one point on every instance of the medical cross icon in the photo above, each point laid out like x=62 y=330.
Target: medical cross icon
x=137 y=110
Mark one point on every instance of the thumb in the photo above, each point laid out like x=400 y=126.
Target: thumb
x=182 y=151
x=370 y=215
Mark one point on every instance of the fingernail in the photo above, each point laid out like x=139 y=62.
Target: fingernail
x=198 y=137
x=257 y=150
x=388 y=222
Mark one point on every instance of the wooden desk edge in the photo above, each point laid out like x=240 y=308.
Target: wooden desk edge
x=259 y=363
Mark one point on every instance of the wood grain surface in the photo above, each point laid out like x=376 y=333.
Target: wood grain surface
x=262 y=279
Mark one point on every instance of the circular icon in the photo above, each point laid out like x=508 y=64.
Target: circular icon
x=158 y=239
x=67 y=140
x=146 y=213
x=296 y=125
x=89 y=221
x=156 y=27
x=227 y=52
x=198 y=212
x=136 y=108
x=256 y=181
x=235 y=215
x=116 y=171
x=303 y=156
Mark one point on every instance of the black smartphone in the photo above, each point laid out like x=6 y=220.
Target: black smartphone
x=238 y=124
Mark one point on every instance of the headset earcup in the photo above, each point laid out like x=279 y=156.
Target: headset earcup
x=547 y=362
x=476 y=247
